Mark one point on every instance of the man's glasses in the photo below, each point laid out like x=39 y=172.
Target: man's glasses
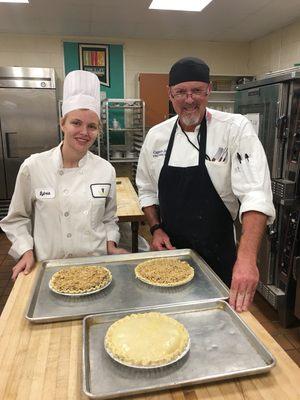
x=194 y=93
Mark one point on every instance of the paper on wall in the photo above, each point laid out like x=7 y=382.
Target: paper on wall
x=254 y=119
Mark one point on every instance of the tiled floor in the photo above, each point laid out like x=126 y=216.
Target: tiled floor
x=288 y=338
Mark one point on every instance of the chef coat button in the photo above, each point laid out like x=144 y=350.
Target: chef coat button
x=66 y=192
x=85 y=212
x=66 y=214
x=61 y=172
x=69 y=235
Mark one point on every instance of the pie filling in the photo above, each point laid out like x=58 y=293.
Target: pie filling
x=150 y=339
x=164 y=272
x=80 y=279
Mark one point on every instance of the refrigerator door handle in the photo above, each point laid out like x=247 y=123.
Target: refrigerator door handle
x=8 y=153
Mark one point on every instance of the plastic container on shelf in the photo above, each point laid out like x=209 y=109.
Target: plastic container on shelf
x=116 y=124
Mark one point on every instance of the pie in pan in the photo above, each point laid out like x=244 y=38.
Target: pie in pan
x=164 y=272
x=146 y=340
x=79 y=280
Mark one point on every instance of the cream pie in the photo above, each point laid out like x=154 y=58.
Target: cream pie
x=80 y=279
x=164 y=272
x=146 y=340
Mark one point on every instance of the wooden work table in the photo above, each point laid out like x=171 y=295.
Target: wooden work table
x=128 y=209
x=45 y=361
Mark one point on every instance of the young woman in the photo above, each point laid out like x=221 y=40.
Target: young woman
x=64 y=203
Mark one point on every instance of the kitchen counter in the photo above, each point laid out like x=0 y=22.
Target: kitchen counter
x=128 y=209
x=45 y=361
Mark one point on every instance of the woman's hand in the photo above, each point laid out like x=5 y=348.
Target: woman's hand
x=113 y=249
x=26 y=263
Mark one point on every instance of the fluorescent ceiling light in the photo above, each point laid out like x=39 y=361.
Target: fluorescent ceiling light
x=179 y=5
x=14 y=1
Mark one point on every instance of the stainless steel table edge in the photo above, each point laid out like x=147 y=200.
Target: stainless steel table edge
x=111 y=258
x=32 y=294
x=120 y=257
x=214 y=378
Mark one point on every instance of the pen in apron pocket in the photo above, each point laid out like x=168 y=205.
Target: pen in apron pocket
x=218 y=154
x=223 y=155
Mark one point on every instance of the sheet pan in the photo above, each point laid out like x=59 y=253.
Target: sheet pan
x=222 y=347
x=125 y=291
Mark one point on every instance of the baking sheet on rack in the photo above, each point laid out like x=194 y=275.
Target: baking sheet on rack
x=125 y=291
x=222 y=347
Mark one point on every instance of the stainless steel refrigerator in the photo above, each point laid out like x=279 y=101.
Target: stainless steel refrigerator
x=28 y=121
x=273 y=104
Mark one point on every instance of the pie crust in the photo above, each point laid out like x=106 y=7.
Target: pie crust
x=143 y=340
x=80 y=279
x=169 y=271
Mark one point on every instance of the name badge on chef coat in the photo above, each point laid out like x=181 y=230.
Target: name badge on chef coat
x=44 y=193
x=100 y=189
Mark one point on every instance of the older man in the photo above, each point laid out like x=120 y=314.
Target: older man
x=196 y=171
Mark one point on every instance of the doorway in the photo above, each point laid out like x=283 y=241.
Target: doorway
x=154 y=92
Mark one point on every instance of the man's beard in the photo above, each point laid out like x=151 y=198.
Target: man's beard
x=190 y=120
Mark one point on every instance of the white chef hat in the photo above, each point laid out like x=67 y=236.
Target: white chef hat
x=81 y=90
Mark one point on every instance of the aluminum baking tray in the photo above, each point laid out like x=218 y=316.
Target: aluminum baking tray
x=222 y=347
x=125 y=291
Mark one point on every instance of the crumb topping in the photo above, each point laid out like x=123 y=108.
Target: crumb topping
x=164 y=271
x=80 y=279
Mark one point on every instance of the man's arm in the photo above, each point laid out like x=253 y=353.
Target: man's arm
x=160 y=240
x=245 y=272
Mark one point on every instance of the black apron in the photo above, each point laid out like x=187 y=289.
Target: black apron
x=192 y=212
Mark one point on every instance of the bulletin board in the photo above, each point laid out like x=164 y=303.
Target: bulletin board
x=95 y=58
x=110 y=55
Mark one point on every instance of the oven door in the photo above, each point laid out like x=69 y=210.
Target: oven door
x=267 y=107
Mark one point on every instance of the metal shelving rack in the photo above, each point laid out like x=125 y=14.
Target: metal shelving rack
x=123 y=131
x=223 y=91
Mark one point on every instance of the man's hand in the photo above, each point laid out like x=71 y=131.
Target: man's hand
x=245 y=274
x=161 y=241
x=244 y=281
x=26 y=263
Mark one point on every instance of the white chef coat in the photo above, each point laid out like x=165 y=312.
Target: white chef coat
x=62 y=212
x=245 y=180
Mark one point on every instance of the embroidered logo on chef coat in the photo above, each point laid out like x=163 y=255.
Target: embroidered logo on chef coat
x=158 y=153
x=100 y=189
x=44 y=193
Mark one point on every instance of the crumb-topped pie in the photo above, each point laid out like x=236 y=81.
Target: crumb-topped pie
x=146 y=340
x=164 y=272
x=78 y=280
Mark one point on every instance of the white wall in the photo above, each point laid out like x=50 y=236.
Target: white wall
x=158 y=56
x=278 y=50
x=139 y=55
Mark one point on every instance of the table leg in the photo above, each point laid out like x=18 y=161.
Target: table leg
x=134 y=231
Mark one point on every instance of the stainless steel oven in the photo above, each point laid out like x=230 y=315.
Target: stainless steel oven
x=274 y=103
